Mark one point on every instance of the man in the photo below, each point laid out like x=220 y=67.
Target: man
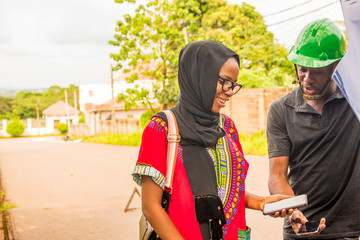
x=314 y=137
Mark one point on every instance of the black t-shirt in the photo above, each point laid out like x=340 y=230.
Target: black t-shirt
x=324 y=159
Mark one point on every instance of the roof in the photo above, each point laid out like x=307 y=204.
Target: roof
x=59 y=109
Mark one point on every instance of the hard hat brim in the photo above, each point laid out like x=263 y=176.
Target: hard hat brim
x=309 y=61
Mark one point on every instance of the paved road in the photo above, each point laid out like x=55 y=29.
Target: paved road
x=78 y=191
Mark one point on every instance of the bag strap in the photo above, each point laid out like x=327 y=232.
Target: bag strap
x=173 y=139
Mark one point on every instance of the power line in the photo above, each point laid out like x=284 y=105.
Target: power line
x=301 y=15
x=287 y=9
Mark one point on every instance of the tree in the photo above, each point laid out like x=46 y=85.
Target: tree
x=5 y=107
x=132 y=96
x=26 y=102
x=149 y=37
x=159 y=29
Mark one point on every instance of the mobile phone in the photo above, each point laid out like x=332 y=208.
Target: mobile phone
x=309 y=228
x=288 y=203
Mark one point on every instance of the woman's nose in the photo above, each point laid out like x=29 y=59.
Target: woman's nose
x=230 y=92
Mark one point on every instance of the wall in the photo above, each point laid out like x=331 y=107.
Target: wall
x=249 y=108
x=99 y=93
x=30 y=130
x=122 y=126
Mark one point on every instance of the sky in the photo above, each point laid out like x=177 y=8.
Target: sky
x=47 y=42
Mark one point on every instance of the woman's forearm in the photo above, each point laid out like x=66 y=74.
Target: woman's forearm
x=253 y=201
x=154 y=213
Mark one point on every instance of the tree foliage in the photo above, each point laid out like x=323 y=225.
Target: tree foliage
x=26 y=103
x=5 y=107
x=158 y=30
x=149 y=37
x=132 y=96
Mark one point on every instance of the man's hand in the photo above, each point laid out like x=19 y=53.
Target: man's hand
x=297 y=220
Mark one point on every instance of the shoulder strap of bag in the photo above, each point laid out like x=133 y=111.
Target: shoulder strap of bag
x=173 y=139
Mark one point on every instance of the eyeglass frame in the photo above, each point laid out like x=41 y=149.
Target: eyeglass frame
x=233 y=85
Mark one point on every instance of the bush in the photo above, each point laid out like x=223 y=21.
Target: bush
x=63 y=128
x=145 y=118
x=255 y=144
x=82 y=119
x=15 y=128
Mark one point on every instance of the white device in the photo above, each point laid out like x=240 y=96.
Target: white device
x=288 y=203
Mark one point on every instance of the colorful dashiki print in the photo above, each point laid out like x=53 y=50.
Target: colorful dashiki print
x=231 y=169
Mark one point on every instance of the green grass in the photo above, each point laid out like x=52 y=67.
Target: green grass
x=255 y=144
x=133 y=139
x=252 y=145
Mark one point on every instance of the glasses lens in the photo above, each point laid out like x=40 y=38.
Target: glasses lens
x=237 y=88
x=227 y=85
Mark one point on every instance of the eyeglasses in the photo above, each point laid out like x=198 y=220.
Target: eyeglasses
x=227 y=84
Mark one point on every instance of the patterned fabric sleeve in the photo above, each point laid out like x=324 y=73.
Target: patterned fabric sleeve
x=152 y=154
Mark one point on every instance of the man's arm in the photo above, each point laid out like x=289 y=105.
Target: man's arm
x=278 y=181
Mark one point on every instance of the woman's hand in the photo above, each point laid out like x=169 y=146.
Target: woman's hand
x=272 y=198
x=257 y=202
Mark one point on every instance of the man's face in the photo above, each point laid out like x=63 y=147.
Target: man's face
x=313 y=80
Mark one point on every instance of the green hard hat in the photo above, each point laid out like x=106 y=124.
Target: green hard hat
x=319 y=44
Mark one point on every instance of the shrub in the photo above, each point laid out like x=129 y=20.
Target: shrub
x=82 y=119
x=15 y=128
x=255 y=144
x=63 y=128
x=145 y=118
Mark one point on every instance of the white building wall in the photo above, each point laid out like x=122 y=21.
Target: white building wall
x=100 y=93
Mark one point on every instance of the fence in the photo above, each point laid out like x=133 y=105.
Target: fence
x=122 y=126
x=33 y=127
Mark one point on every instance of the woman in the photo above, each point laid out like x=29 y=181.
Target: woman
x=209 y=197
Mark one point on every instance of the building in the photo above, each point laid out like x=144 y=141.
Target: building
x=60 y=112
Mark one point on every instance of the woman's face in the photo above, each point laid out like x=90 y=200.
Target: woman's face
x=229 y=71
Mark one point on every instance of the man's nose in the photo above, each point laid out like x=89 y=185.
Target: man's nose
x=307 y=78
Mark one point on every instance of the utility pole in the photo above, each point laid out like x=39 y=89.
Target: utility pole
x=67 y=113
x=112 y=103
x=37 y=115
x=75 y=105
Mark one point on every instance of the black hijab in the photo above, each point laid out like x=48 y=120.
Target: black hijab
x=199 y=67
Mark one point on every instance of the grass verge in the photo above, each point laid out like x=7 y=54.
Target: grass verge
x=255 y=144
x=133 y=139
x=252 y=145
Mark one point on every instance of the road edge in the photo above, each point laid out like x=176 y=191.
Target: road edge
x=6 y=223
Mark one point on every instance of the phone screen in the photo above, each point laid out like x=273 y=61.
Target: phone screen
x=309 y=227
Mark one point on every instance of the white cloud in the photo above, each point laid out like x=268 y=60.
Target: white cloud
x=47 y=42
